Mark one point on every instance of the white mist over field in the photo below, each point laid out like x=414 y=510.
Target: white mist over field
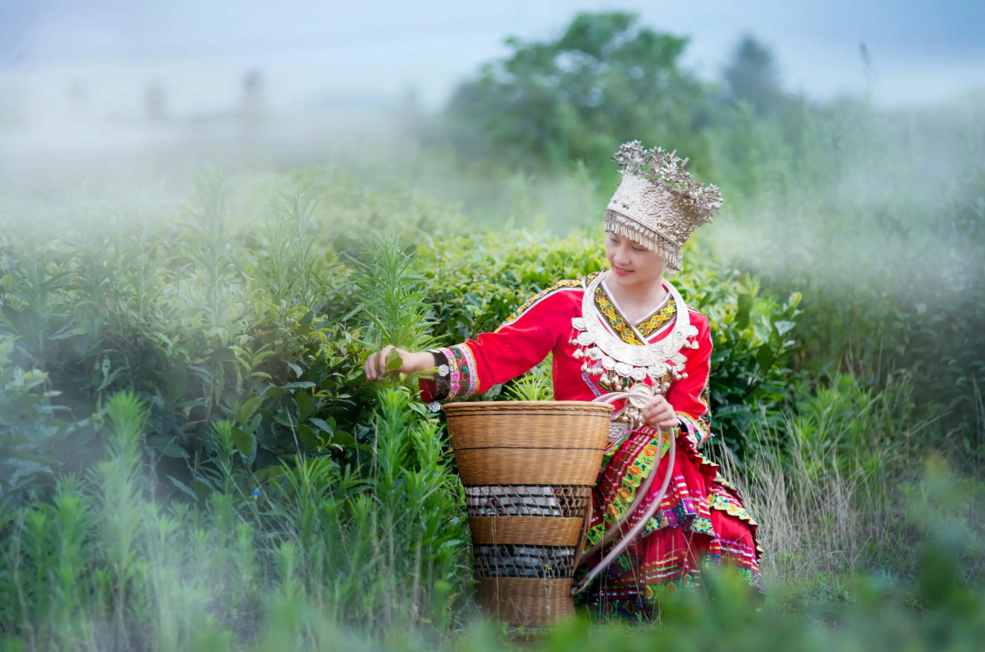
x=112 y=73
x=117 y=96
x=62 y=59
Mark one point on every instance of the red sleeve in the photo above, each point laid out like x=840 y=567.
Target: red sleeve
x=689 y=396
x=541 y=324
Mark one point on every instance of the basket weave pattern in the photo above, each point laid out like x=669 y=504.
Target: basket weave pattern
x=554 y=562
x=528 y=470
x=523 y=500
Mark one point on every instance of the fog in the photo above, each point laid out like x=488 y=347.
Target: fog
x=115 y=94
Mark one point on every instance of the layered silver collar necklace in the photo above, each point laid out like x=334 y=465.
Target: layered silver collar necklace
x=632 y=362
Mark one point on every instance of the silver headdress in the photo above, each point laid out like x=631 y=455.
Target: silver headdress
x=657 y=202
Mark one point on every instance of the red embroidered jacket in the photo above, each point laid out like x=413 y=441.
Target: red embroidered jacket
x=543 y=325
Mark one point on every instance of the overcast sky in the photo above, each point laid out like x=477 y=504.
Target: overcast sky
x=198 y=50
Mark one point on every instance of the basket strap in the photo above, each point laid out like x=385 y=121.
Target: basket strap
x=620 y=547
x=617 y=527
x=613 y=531
x=637 y=398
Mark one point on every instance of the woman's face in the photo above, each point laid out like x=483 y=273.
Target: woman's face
x=632 y=264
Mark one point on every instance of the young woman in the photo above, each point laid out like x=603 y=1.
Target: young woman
x=626 y=329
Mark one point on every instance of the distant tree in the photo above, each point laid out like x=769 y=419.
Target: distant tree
x=78 y=98
x=604 y=81
x=752 y=76
x=254 y=107
x=155 y=102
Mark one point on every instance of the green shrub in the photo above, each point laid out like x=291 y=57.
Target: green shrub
x=877 y=219
x=31 y=433
x=259 y=322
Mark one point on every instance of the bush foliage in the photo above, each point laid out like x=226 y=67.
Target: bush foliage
x=265 y=325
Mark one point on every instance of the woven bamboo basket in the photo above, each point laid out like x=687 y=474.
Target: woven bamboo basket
x=528 y=470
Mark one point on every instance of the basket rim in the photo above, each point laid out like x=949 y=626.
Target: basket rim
x=527 y=405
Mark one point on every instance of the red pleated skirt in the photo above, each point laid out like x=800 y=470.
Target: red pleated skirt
x=701 y=522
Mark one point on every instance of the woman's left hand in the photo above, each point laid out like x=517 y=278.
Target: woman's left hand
x=658 y=413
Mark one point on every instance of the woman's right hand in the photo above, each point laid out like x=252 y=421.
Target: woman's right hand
x=375 y=366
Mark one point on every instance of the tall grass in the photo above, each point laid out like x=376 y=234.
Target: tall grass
x=365 y=533
x=290 y=238
x=103 y=566
x=391 y=295
x=842 y=490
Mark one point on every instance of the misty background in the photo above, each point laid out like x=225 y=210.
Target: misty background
x=98 y=59
x=99 y=79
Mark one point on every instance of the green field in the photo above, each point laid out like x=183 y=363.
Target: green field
x=191 y=459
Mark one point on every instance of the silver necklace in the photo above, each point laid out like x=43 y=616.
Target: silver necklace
x=632 y=362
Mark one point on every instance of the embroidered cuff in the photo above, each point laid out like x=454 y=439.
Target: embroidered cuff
x=464 y=376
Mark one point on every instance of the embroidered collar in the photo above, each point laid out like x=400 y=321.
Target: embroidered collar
x=607 y=306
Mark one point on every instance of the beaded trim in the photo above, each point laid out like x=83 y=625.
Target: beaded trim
x=614 y=318
x=659 y=319
x=695 y=432
x=454 y=375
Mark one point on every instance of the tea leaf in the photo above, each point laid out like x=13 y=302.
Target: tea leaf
x=243 y=441
x=393 y=361
x=304 y=406
x=247 y=409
